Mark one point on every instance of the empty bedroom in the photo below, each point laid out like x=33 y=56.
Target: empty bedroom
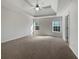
x=39 y=29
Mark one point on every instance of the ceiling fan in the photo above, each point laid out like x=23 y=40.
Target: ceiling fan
x=37 y=7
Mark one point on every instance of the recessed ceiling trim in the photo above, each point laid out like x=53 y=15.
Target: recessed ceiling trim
x=45 y=15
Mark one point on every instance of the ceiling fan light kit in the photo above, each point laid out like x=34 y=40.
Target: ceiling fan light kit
x=37 y=7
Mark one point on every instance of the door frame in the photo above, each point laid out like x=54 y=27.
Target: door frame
x=67 y=28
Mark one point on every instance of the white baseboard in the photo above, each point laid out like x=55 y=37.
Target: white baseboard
x=13 y=38
x=73 y=51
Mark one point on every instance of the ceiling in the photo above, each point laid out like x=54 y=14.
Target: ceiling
x=22 y=6
x=62 y=4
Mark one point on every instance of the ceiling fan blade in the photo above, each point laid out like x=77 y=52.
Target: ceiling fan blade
x=29 y=3
x=49 y=6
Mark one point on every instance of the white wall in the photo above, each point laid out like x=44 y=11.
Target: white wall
x=14 y=25
x=46 y=26
x=72 y=11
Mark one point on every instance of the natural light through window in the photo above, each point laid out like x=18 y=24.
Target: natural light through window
x=56 y=25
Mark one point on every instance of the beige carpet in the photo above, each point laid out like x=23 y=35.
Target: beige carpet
x=39 y=47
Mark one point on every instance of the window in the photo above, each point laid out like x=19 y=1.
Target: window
x=56 y=25
x=36 y=26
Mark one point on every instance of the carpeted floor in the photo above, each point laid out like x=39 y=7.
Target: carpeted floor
x=39 y=47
